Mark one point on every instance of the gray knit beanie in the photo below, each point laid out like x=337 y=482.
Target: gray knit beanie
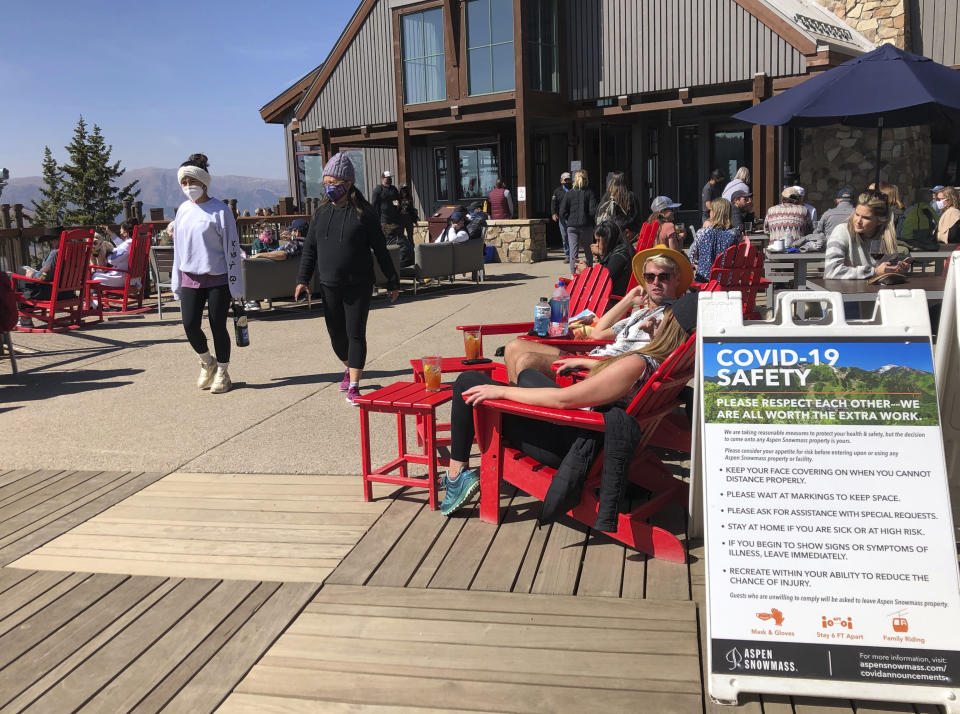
x=339 y=166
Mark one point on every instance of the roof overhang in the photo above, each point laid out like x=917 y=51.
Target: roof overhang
x=273 y=111
x=808 y=26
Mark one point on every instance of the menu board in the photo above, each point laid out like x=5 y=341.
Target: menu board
x=830 y=552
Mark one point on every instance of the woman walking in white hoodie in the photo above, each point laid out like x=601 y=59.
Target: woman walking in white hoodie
x=207 y=262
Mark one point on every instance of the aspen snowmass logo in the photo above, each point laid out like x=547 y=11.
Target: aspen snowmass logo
x=757 y=659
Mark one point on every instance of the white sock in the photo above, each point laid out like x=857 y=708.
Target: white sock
x=207 y=358
x=222 y=366
x=354 y=385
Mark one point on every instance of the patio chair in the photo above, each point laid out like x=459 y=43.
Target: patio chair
x=740 y=267
x=161 y=267
x=499 y=461
x=63 y=308
x=129 y=296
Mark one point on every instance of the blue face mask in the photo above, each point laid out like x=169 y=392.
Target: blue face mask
x=335 y=192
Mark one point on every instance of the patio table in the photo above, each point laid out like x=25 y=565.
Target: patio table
x=860 y=291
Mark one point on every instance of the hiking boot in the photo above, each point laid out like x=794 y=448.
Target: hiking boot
x=208 y=370
x=459 y=490
x=352 y=394
x=221 y=382
x=345 y=382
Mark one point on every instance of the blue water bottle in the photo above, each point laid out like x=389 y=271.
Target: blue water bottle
x=541 y=317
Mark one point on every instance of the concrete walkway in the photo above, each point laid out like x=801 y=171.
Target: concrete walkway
x=121 y=395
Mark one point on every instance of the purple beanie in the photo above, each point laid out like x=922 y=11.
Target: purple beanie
x=339 y=166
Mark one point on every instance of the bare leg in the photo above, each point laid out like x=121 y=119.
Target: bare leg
x=534 y=355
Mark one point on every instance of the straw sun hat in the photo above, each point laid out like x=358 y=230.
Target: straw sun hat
x=683 y=266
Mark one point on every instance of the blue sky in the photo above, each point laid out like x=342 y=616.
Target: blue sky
x=865 y=355
x=162 y=79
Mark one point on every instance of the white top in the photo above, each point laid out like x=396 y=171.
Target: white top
x=119 y=258
x=452 y=235
x=205 y=242
x=735 y=185
x=629 y=336
x=847 y=258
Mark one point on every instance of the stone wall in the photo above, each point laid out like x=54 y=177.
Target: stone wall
x=516 y=241
x=833 y=158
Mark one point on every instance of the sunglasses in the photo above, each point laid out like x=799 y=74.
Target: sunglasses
x=657 y=277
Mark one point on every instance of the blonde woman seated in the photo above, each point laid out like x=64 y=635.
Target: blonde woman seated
x=848 y=246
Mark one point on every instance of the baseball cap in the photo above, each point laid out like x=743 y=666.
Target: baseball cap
x=936 y=189
x=801 y=191
x=717 y=175
x=790 y=192
x=387 y=174
x=740 y=194
x=298 y=224
x=662 y=202
x=565 y=175
x=846 y=193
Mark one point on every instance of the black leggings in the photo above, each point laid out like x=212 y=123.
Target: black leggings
x=544 y=441
x=217 y=300
x=345 y=310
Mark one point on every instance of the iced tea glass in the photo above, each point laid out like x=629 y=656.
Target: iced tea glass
x=472 y=344
x=431 y=373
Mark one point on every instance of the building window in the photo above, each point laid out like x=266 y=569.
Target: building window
x=442 y=187
x=543 y=51
x=479 y=170
x=423 y=69
x=490 y=46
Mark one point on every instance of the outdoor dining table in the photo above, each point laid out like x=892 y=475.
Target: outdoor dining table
x=861 y=291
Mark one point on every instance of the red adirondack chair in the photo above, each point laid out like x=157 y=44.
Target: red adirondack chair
x=740 y=267
x=129 y=296
x=501 y=462
x=589 y=291
x=63 y=309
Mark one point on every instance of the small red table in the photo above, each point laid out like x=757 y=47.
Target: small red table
x=402 y=399
x=452 y=364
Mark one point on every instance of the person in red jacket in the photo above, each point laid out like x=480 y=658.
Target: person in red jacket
x=501 y=202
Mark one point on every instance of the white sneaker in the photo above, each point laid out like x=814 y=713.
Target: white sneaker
x=208 y=370
x=221 y=382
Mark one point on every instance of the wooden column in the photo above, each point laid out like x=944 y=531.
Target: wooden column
x=403 y=156
x=761 y=180
x=522 y=128
x=5 y=216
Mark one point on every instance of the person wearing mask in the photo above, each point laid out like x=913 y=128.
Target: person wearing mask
x=612 y=382
x=206 y=270
x=849 y=245
x=566 y=183
x=577 y=209
x=948 y=203
x=740 y=182
x=934 y=192
x=712 y=189
x=408 y=219
x=788 y=220
x=456 y=230
x=713 y=239
x=343 y=232
x=266 y=240
x=292 y=248
x=501 y=202
x=741 y=205
x=664 y=212
x=386 y=204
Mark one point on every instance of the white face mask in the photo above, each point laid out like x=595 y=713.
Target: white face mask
x=192 y=192
x=941 y=204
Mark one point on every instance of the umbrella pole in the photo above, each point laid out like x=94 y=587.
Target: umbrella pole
x=876 y=181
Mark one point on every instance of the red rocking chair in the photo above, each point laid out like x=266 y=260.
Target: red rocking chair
x=129 y=296
x=740 y=267
x=63 y=309
x=658 y=398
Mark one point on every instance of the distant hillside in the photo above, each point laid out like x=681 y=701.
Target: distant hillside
x=159 y=188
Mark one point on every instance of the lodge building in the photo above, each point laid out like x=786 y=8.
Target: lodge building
x=452 y=94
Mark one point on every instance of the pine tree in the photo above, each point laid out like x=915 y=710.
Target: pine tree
x=88 y=187
x=50 y=210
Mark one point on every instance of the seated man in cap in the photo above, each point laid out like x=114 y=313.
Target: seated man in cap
x=662 y=275
x=290 y=249
x=830 y=219
x=476 y=220
x=741 y=205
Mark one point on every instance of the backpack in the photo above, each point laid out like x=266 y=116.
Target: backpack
x=8 y=304
x=607 y=211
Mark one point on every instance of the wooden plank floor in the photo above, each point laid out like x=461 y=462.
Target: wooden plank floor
x=111 y=643
x=37 y=506
x=230 y=526
x=413 y=648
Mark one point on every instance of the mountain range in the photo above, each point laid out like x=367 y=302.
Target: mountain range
x=159 y=189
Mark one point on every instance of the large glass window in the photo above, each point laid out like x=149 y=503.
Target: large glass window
x=423 y=70
x=543 y=51
x=443 y=186
x=479 y=170
x=490 y=64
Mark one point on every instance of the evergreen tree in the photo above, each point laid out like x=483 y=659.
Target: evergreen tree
x=50 y=210
x=88 y=187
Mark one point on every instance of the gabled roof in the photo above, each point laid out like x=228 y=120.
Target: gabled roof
x=808 y=26
x=272 y=112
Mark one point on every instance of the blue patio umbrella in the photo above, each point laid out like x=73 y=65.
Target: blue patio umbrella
x=885 y=87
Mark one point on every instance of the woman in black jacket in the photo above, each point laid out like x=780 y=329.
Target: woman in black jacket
x=342 y=233
x=577 y=211
x=616 y=255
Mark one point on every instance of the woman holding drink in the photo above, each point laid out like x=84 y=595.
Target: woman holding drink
x=342 y=233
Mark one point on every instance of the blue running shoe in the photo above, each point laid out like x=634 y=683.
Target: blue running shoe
x=459 y=491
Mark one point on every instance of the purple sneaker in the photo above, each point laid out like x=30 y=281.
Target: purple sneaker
x=352 y=394
x=345 y=382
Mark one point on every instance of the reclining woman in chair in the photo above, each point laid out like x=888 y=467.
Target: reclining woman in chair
x=612 y=382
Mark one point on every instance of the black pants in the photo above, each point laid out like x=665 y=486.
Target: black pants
x=217 y=300
x=345 y=310
x=544 y=441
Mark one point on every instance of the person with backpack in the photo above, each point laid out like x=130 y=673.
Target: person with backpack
x=577 y=209
x=618 y=203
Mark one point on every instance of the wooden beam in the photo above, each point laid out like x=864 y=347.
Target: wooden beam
x=733 y=98
x=451 y=123
x=336 y=54
x=389 y=135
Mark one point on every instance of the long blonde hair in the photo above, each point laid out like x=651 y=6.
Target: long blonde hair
x=580 y=179
x=721 y=213
x=879 y=205
x=670 y=336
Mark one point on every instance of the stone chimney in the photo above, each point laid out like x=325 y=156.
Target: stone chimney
x=880 y=21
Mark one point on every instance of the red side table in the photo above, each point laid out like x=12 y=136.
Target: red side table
x=402 y=399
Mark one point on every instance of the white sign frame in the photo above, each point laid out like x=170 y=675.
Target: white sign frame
x=899 y=313
x=521 y=193
x=946 y=362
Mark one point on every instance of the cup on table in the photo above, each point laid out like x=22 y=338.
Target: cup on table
x=777 y=245
x=432 y=373
x=472 y=344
